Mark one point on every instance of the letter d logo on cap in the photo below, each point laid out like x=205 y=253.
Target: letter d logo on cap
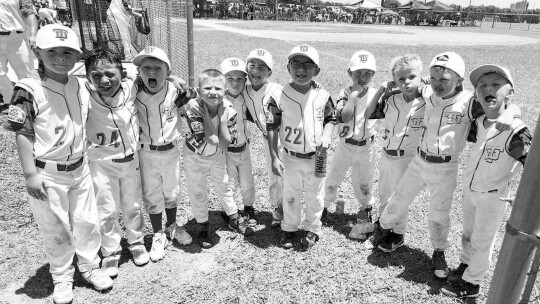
x=61 y=34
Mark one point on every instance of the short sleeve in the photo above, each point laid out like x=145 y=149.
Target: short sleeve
x=342 y=99
x=196 y=126
x=329 y=112
x=273 y=115
x=519 y=144
x=21 y=112
x=476 y=109
x=231 y=125
x=379 y=112
x=473 y=132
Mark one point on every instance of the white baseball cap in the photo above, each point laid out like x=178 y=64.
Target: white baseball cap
x=57 y=35
x=306 y=51
x=362 y=60
x=153 y=52
x=232 y=64
x=262 y=55
x=491 y=68
x=450 y=60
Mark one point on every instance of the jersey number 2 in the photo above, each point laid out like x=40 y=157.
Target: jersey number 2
x=296 y=131
x=103 y=138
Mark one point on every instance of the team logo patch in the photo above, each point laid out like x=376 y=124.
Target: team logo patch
x=363 y=58
x=453 y=118
x=319 y=112
x=61 y=34
x=416 y=122
x=16 y=115
x=197 y=127
x=269 y=117
x=492 y=153
x=261 y=53
x=304 y=48
x=149 y=49
x=234 y=62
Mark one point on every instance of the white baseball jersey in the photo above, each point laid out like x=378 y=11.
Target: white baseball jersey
x=496 y=156
x=358 y=127
x=403 y=122
x=158 y=115
x=242 y=131
x=112 y=128
x=54 y=114
x=300 y=117
x=257 y=101
x=447 y=122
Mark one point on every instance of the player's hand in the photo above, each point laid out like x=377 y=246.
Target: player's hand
x=194 y=107
x=356 y=88
x=277 y=166
x=222 y=113
x=504 y=123
x=36 y=187
x=315 y=85
x=509 y=199
x=178 y=82
x=325 y=142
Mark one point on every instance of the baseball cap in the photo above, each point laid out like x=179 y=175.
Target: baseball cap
x=490 y=68
x=306 y=51
x=232 y=64
x=450 y=60
x=362 y=60
x=262 y=55
x=153 y=52
x=57 y=35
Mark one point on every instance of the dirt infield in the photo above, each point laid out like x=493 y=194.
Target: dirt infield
x=387 y=34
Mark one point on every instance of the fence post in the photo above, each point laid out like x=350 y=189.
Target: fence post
x=493 y=25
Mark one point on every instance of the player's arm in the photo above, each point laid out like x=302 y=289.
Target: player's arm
x=210 y=131
x=29 y=12
x=227 y=127
x=375 y=106
x=343 y=107
x=329 y=123
x=34 y=183
x=505 y=120
x=273 y=123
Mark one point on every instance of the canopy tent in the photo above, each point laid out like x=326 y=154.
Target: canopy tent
x=368 y=5
x=414 y=5
x=389 y=13
x=438 y=6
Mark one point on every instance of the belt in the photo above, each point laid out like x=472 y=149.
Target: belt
x=434 y=158
x=60 y=167
x=166 y=147
x=125 y=159
x=355 y=142
x=395 y=152
x=300 y=155
x=237 y=149
x=9 y=33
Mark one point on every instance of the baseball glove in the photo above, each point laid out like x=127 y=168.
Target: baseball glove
x=143 y=23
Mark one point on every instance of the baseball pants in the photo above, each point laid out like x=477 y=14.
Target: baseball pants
x=391 y=170
x=441 y=179
x=160 y=176
x=13 y=49
x=197 y=167
x=275 y=182
x=298 y=176
x=483 y=214
x=68 y=221
x=118 y=189
x=240 y=173
x=362 y=161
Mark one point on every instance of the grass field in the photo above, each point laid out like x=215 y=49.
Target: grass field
x=256 y=269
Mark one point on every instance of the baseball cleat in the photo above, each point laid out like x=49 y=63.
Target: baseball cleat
x=139 y=254
x=159 y=243
x=391 y=243
x=287 y=239
x=439 y=262
x=379 y=235
x=98 y=279
x=63 y=293
x=178 y=233
x=461 y=289
x=457 y=273
x=109 y=265
x=308 y=240
x=361 y=229
x=251 y=217
x=277 y=217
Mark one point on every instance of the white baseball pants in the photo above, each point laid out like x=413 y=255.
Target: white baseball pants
x=13 y=49
x=118 y=189
x=197 y=167
x=483 y=214
x=391 y=170
x=68 y=221
x=362 y=161
x=275 y=182
x=298 y=176
x=160 y=176
x=441 y=179
x=240 y=173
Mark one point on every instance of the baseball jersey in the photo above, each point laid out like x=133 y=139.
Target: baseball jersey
x=112 y=128
x=242 y=132
x=12 y=13
x=496 y=156
x=52 y=113
x=358 y=127
x=257 y=101
x=403 y=122
x=158 y=115
x=195 y=138
x=447 y=122
x=300 y=118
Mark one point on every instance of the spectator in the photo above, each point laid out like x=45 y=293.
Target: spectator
x=18 y=22
x=62 y=12
x=120 y=12
x=46 y=15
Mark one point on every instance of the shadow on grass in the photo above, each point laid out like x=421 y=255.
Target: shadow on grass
x=38 y=286
x=340 y=222
x=265 y=235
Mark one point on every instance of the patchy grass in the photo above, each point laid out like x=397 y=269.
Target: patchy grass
x=256 y=269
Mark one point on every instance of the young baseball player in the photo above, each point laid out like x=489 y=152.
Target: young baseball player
x=48 y=116
x=355 y=148
x=157 y=105
x=448 y=115
x=209 y=136
x=256 y=94
x=112 y=133
x=238 y=157
x=403 y=115
x=303 y=119
x=496 y=157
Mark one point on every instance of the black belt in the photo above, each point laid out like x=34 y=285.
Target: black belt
x=125 y=159
x=237 y=149
x=300 y=155
x=9 y=33
x=355 y=142
x=434 y=158
x=395 y=152
x=60 y=167
x=166 y=147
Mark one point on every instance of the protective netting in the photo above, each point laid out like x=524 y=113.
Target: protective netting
x=100 y=25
